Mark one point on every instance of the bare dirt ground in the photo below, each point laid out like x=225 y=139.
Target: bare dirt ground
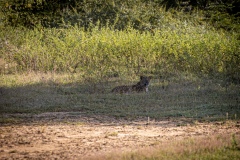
x=75 y=136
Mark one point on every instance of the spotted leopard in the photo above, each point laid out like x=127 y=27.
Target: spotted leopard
x=141 y=86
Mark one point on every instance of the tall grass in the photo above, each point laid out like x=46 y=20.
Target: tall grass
x=180 y=44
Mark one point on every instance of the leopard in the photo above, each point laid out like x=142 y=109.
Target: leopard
x=141 y=86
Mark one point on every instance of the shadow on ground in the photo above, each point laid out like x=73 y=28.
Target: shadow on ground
x=195 y=100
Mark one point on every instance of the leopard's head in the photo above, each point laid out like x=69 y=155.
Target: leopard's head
x=144 y=81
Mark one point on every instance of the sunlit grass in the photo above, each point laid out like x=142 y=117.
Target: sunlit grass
x=180 y=44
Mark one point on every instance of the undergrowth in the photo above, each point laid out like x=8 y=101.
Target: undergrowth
x=180 y=44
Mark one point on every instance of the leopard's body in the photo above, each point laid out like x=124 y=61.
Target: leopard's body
x=141 y=86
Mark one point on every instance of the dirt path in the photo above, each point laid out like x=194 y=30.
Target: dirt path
x=64 y=135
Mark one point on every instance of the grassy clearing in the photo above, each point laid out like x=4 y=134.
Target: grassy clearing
x=176 y=98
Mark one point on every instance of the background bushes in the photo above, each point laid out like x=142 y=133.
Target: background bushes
x=118 y=38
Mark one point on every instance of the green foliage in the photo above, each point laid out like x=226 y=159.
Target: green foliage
x=224 y=15
x=104 y=52
x=142 y=14
x=120 y=38
x=83 y=13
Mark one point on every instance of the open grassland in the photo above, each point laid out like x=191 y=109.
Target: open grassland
x=176 y=97
x=56 y=100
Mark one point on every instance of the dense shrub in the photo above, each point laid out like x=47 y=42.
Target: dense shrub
x=113 y=38
x=108 y=52
x=142 y=14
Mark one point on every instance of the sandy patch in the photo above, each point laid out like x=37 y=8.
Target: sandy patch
x=66 y=135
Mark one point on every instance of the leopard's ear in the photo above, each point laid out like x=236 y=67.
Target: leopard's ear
x=150 y=77
x=141 y=77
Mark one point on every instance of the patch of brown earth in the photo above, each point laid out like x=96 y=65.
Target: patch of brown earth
x=65 y=136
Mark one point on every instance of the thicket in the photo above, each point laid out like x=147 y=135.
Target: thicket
x=114 y=38
x=142 y=13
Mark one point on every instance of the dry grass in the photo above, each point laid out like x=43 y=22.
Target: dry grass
x=207 y=147
x=31 y=78
x=47 y=136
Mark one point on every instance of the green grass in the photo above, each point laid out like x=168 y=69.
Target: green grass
x=179 y=98
x=205 y=154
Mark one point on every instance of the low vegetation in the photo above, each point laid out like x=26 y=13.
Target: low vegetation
x=182 y=96
x=104 y=52
x=179 y=42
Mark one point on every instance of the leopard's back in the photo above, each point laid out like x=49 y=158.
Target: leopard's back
x=141 y=86
x=122 y=89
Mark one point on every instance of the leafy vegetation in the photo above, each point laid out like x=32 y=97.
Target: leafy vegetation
x=143 y=14
x=113 y=40
x=105 y=52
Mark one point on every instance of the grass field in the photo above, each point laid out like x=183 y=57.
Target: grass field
x=182 y=96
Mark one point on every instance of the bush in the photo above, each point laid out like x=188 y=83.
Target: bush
x=103 y=51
